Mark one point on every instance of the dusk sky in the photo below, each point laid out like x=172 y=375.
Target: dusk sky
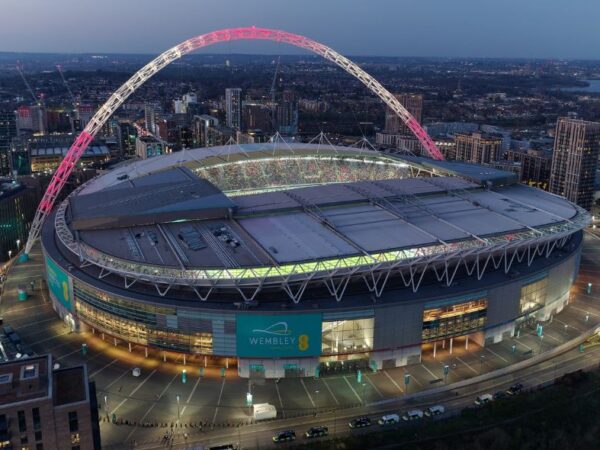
x=478 y=28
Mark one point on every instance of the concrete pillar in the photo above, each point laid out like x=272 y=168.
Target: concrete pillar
x=434 y=348
x=227 y=363
x=129 y=345
x=93 y=331
x=115 y=341
x=184 y=359
x=205 y=361
x=102 y=336
x=164 y=356
x=443 y=343
x=146 y=351
x=451 y=339
x=467 y=343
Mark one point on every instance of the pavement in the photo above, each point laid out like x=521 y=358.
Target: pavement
x=210 y=409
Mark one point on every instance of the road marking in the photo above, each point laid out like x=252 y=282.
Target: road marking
x=552 y=337
x=50 y=338
x=307 y=393
x=330 y=391
x=568 y=325
x=435 y=377
x=218 y=402
x=68 y=354
x=393 y=381
x=133 y=392
x=15 y=310
x=524 y=345
x=586 y=311
x=151 y=407
x=187 y=402
x=102 y=368
x=373 y=384
x=355 y=393
x=116 y=379
x=494 y=353
x=280 y=401
x=477 y=373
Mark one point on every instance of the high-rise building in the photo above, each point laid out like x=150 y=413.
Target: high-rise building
x=8 y=131
x=574 y=160
x=46 y=408
x=233 y=107
x=535 y=166
x=151 y=117
x=257 y=116
x=17 y=208
x=413 y=104
x=478 y=148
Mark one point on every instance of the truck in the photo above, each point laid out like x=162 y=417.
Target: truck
x=264 y=411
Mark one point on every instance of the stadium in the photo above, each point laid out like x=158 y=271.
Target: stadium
x=293 y=259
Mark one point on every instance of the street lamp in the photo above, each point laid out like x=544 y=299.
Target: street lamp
x=446 y=371
x=481 y=358
x=178 y=408
x=18 y=243
x=9 y=254
x=363 y=392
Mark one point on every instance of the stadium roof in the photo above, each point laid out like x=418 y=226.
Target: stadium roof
x=151 y=218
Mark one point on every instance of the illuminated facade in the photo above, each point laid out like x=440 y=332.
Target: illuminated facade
x=289 y=260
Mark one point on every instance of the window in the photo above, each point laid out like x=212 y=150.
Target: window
x=454 y=320
x=533 y=295
x=76 y=447
x=24 y=439
x=37 y=421
x=73 y=423
x=38 y=435
x=347 y=336
x=29 y=372
x=39 y=446
x=22 y=421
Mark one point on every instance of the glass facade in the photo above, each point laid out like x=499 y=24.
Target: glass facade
x=347 y=336
x=138 y=322
x=454 y=320
x=17 y=208
x=533 y=295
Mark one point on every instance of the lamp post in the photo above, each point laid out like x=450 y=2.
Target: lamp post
x=18 y=244
x=9 y=254
x=481 y=358
x=178 y=408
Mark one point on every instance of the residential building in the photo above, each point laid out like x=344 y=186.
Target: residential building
x=574 y=160
x=233 y=107
x=478 y=148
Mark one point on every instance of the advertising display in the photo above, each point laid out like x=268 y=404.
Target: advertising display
x=58 y=283
x=278 y=336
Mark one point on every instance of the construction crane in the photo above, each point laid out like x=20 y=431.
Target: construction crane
x=73 y=100
x=272 y=92
x=20 y=70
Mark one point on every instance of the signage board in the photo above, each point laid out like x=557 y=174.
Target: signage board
x=58 y=283
x=278 y=336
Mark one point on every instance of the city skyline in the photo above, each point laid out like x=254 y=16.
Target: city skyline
x=407 y=28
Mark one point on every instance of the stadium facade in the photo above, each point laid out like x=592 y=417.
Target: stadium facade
x=293 y=259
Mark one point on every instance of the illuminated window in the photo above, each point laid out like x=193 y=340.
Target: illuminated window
x=347 y=336
x=533 y=295
x=454 y=320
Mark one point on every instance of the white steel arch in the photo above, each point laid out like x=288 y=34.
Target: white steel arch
x=249 y=33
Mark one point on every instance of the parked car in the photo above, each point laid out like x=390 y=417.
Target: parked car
x=413 y=414
x=435 y=410
x=360 y=422
x=285 y=436
x=500 y=394
x=389 y=419
x=483 y=399
x=515 y=389
x=316 y=432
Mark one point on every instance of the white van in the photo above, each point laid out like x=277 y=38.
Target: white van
x=413 y=414
x=483 y=399
x=389 y=419
x=435 y=410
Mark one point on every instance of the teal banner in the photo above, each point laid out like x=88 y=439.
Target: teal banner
x=58 y=283
x=278 y=336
